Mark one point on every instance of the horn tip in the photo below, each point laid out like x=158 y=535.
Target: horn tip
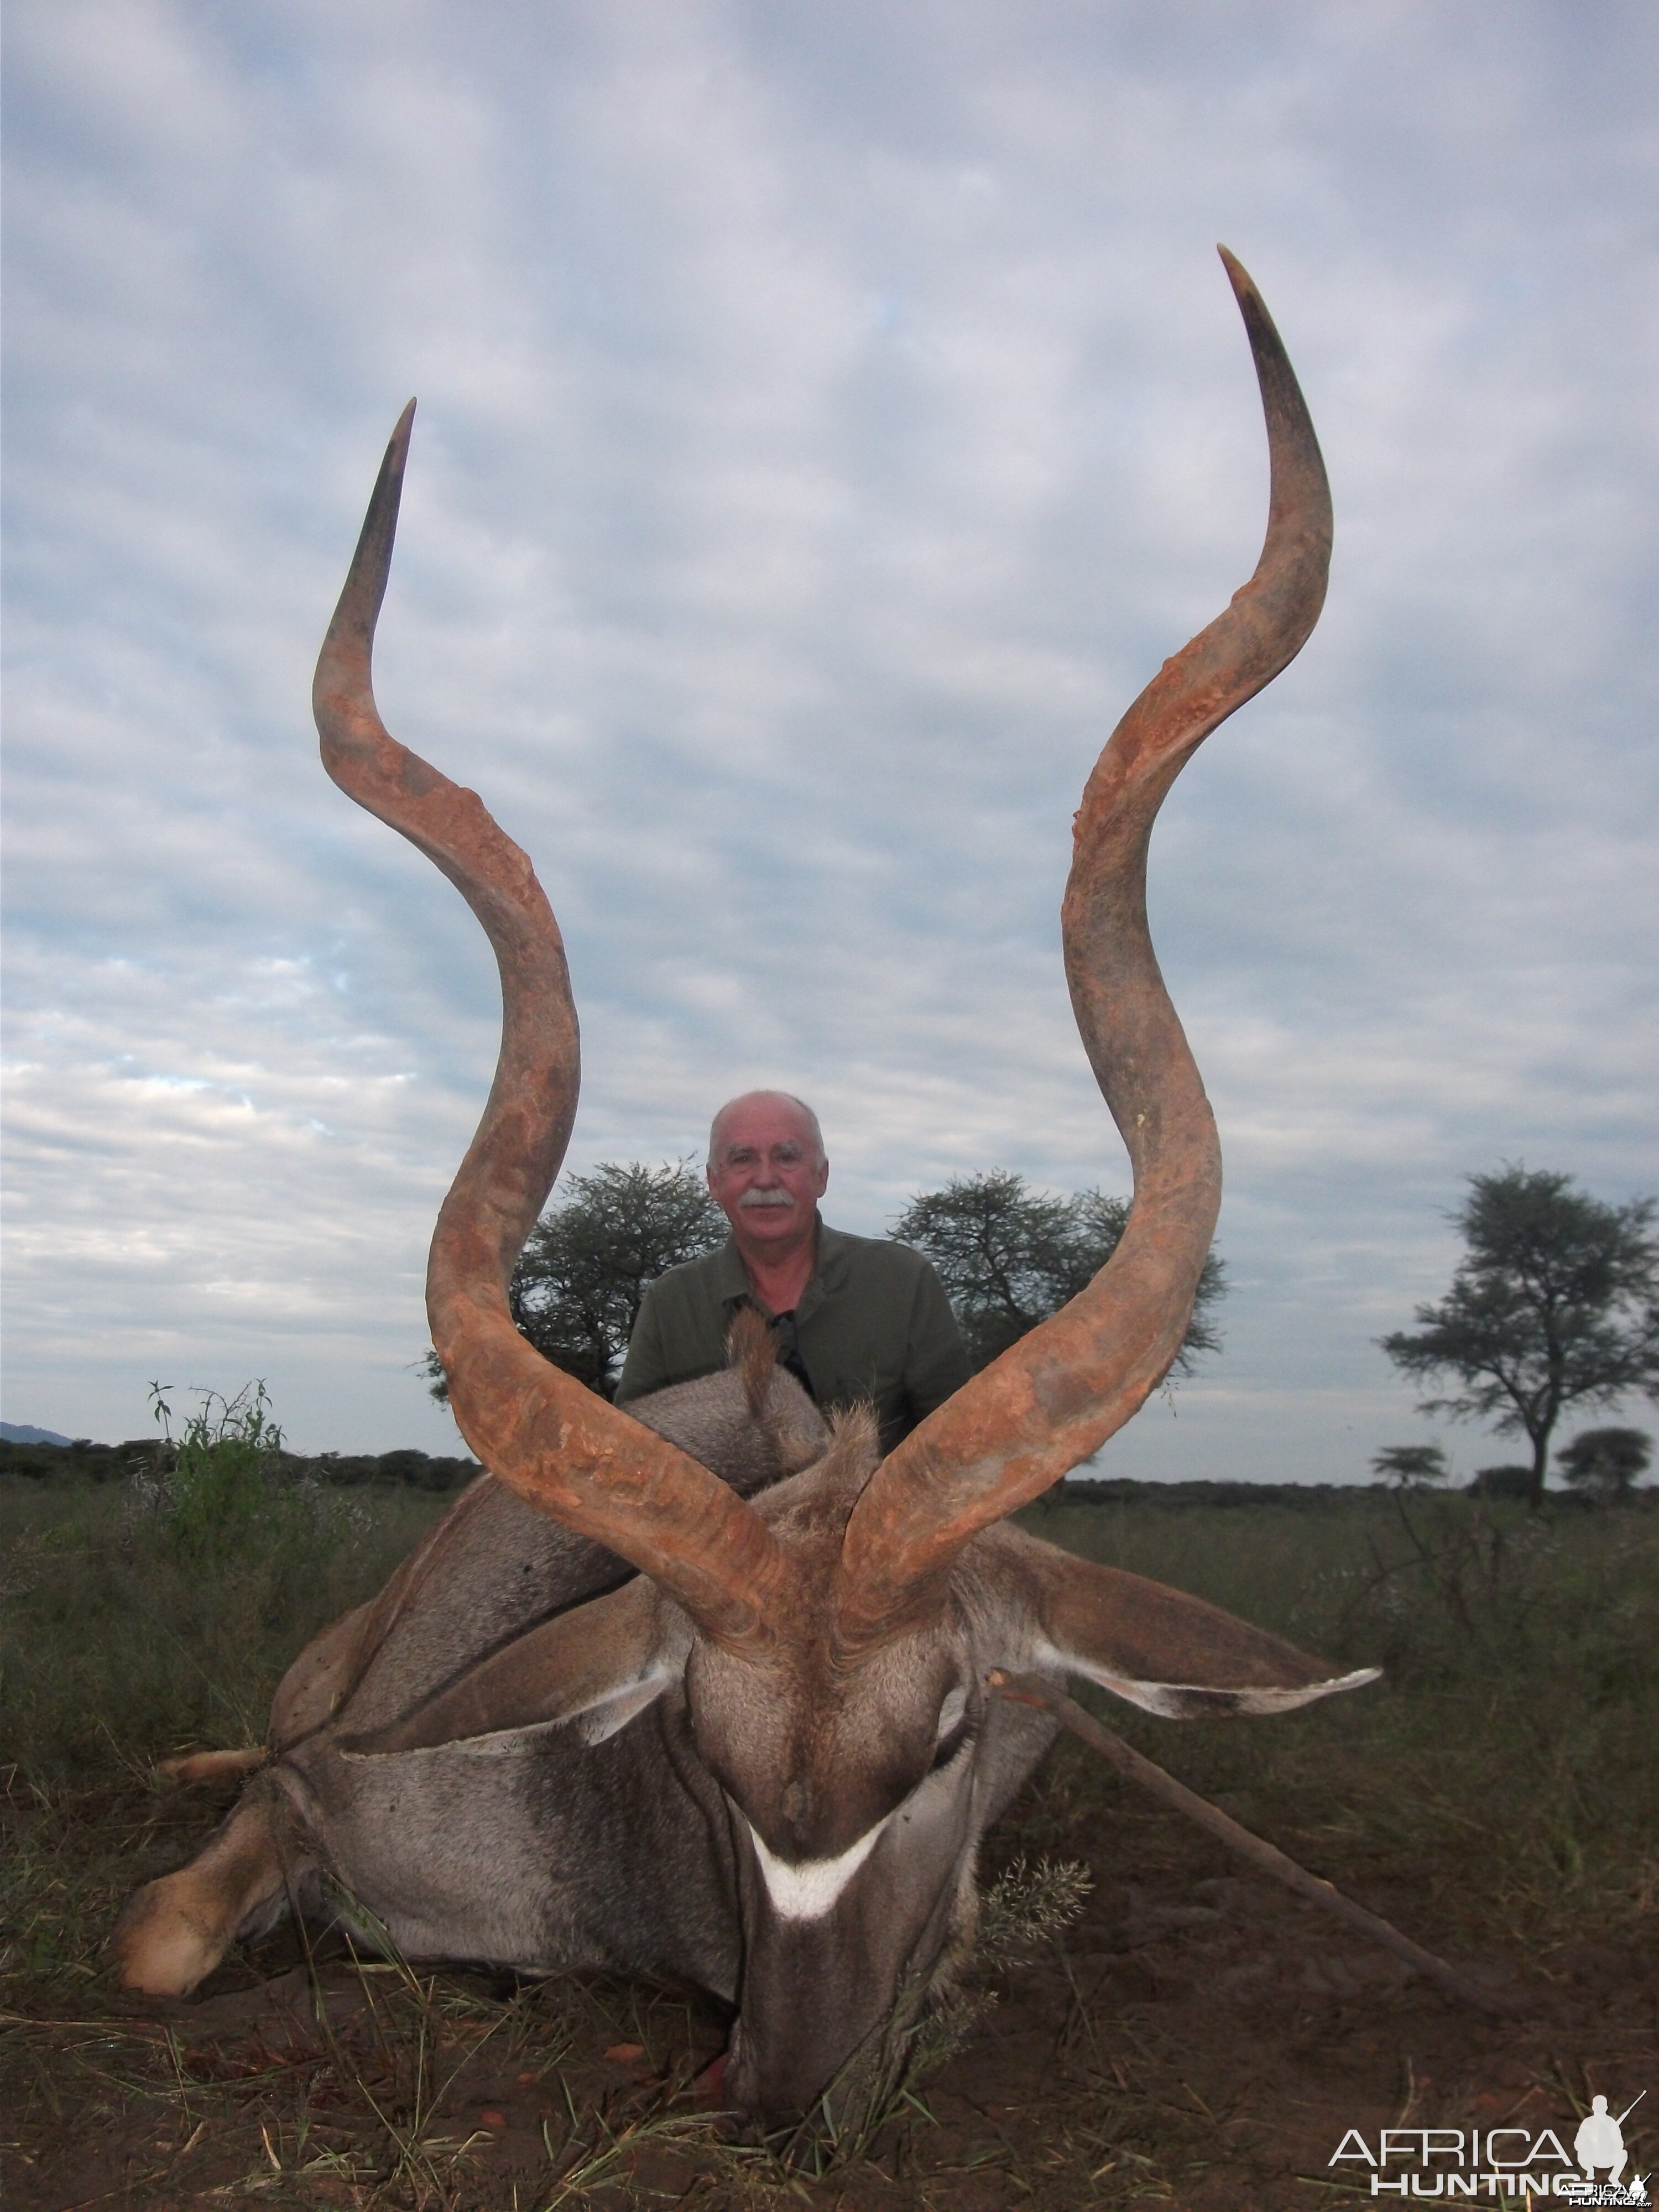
x=1237 y=274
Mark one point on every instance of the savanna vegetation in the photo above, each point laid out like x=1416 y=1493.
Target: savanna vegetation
x=143 y=1458
x=1148 y=2022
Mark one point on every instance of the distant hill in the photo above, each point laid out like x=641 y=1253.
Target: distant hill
x=19 y=1432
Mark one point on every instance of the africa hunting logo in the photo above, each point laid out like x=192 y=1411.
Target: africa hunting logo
x=1507 y=2163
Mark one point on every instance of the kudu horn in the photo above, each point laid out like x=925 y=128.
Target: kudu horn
x=539 y=1431
x=1060 y=1392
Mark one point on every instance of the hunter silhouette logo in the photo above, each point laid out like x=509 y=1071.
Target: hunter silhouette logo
x=1507 y=2164
x=1600 y=2141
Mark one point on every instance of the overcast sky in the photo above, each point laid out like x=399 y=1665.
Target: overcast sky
x=830 y=415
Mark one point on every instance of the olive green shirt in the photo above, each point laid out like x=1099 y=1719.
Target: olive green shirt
x=872 y=1323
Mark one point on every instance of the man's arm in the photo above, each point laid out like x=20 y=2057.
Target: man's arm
x=646 y=1368
x=936 y=1359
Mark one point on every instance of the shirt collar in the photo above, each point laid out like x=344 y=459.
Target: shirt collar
x=830 y=1274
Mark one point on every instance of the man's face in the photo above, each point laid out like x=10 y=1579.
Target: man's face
x=765 y=1172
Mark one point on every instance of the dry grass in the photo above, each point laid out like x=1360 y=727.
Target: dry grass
x=1190 y=2040
x=1515 y=1723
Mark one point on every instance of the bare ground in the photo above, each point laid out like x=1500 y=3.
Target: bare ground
x=1198 y=2039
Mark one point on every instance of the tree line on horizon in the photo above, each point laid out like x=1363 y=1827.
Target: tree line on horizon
x=145 y=1457
x=1553 y=1309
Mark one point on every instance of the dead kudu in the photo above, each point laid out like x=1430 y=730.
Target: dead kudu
x=618 y=1713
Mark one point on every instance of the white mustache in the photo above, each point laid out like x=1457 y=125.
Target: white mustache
x=767 y=1198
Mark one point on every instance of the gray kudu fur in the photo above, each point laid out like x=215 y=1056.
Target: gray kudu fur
x=610 y=1715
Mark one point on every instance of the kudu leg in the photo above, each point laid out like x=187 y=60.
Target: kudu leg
x=213 y=1766
x=174 y=1931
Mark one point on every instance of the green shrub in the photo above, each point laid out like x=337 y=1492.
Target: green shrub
x=159 y=1616
x=216 y=1495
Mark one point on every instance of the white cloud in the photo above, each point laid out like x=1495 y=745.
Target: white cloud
x=828 y=419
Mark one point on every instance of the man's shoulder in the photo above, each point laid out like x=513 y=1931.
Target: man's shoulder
x=685 y=1271
x=714 y=1273
x=842 y=1254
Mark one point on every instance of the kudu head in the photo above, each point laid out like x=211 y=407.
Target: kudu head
x=829 y=1640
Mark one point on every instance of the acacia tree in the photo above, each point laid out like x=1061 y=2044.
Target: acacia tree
x=1009 y=1256
x=1555 y=1304
x=575 y=1293
x=1408 y=1466
x=1608 y=1462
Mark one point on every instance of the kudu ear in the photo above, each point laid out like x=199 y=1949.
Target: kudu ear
x=1163 y=1650
x=594 y=1667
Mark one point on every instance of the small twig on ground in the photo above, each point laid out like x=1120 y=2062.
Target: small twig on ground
x=1032 y=1690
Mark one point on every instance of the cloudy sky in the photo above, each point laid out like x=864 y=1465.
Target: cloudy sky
x=830 y=415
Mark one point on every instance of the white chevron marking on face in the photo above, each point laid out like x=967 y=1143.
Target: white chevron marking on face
x=808 y=1890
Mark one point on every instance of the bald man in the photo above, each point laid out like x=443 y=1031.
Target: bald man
x=855 y=1317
